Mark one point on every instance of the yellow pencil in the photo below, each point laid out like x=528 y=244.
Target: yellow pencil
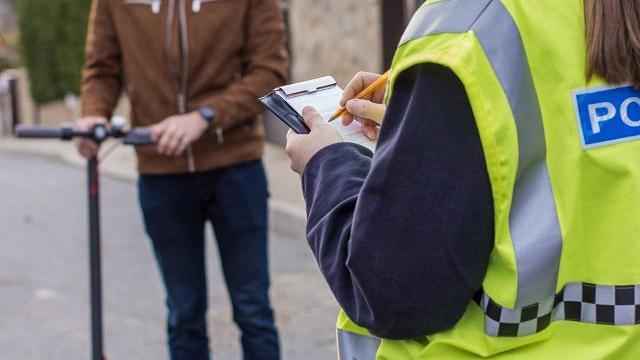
x=382 y=80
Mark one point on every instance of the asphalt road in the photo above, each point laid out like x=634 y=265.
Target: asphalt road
x=44 y=308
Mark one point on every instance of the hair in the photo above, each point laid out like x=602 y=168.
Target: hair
x=613 y=40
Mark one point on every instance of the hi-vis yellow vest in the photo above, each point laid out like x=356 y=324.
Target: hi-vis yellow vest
x=563 y=156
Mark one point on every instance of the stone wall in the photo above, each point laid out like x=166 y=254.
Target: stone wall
x=7 y=16
x=335 y=37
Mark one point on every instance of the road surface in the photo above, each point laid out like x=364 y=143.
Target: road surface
x=44 y=307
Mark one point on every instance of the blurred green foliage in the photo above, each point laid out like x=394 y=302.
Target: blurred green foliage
x=52 y=37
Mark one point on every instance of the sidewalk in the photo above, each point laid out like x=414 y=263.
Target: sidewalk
x=286 y=204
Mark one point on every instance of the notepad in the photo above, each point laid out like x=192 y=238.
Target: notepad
x=324 y=95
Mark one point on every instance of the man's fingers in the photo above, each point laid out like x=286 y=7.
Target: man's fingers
x=181 y=145
x=90 y=147
x=172 y=144
x=168 y=139
x=312 y=117
x=163 y=144
x=359 y=82
x=87 y=123
x=157 y=130
x=88 y=151
x=366 y=109
x=86 y=148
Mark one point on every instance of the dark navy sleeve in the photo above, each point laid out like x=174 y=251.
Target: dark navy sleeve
x=403 y=237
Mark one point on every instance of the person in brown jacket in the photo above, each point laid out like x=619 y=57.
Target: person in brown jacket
x=193 y=70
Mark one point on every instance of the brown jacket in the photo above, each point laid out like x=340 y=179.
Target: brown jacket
x=174 y=56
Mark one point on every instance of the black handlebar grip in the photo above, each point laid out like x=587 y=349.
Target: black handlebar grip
x=39 y=132
x=138 y=137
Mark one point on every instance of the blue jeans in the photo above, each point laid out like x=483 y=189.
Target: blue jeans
x=175 y=210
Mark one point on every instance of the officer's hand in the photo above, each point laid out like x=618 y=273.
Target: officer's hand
x=370 y=111
x=177 y=132
x=87 y=147
x=301 y=148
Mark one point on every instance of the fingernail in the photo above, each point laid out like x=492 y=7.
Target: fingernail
x=306 y=110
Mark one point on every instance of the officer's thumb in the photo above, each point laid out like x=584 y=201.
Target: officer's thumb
x=312 y=117
x=366 y=109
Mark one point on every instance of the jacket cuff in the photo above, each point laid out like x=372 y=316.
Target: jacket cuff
x=95 y=111
x=340 y=151
x=220 y=121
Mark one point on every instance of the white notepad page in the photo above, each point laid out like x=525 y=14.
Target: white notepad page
x=327 y=102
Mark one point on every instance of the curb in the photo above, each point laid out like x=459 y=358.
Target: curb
x=286 y=219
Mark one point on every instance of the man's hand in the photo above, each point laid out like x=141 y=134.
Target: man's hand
x=177 y=132
x=87 y=147
x=369 y=112
x=301 y=148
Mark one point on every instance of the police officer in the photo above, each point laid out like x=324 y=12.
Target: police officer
x=497 y=217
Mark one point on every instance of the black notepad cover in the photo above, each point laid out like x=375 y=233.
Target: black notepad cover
x=280 y=108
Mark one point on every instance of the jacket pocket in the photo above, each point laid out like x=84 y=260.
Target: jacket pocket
x=154 y=5
x=196 y=5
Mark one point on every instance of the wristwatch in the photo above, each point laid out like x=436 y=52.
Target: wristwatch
x=208 y=114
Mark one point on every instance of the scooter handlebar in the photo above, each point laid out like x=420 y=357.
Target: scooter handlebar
x=40 y=132
x=138 y=137
x=134 y=137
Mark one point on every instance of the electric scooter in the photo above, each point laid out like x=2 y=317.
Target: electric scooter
x=99 y=133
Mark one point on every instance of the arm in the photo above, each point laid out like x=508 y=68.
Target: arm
x=101 y=82
x=101 y=76
x=265 y=61
x=404 y=239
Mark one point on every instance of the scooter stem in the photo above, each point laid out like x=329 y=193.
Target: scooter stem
x=95 y=259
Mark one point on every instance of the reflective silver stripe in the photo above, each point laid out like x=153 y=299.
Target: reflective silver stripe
x=352 y=346
x=535 y=229
x=452 y=16
x=581 y=302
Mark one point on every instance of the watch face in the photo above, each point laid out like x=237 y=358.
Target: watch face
x=207 y=113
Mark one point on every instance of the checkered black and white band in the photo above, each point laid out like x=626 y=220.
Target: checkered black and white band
x=583 y=302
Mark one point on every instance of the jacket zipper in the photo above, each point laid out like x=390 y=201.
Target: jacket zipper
x=182 y=82
x=181 y=86
x=184 y=52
